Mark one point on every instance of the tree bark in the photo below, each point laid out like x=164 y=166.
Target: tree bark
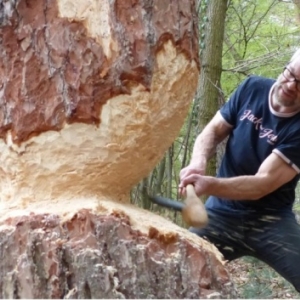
x=92 y=95
x=209 y=94
x=90 y=256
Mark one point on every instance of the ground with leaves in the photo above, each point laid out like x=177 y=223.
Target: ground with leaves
x=256 y=280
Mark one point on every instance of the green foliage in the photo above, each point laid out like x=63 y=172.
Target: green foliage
x=260 y=38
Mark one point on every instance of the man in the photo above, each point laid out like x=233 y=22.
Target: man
x=251 y=199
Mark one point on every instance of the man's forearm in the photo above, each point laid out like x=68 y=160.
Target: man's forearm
x=206 y=143
x=237 y=188
x=204 y=148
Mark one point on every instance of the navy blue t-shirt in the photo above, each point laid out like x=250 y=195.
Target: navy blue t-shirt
x=256 y=133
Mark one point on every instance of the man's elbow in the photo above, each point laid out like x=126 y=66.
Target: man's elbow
x=263 y=185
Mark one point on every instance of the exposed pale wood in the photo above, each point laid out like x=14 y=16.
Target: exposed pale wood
x=92 y=95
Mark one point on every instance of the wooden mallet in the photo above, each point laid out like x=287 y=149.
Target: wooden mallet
x=193 y=210
x=194 y=213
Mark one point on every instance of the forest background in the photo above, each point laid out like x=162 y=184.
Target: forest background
x=238 y=38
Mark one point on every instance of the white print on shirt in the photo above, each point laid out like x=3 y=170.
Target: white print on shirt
x=264 y=132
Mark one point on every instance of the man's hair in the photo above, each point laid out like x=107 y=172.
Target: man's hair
x=295 y=55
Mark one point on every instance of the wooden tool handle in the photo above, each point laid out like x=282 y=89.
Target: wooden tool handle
x=194 y=212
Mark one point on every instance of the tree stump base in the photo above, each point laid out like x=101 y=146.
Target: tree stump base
x=109 y=251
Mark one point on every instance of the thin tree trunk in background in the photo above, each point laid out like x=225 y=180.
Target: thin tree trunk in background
x=170 y=171
x=209 y=93
x=187 y=140
x=160 y=176
x=297 y=9
x=143 y=186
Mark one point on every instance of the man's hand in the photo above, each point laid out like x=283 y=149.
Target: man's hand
x=198 y=181
x=187 y=176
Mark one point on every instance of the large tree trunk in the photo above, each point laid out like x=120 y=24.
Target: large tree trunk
x=92 y=94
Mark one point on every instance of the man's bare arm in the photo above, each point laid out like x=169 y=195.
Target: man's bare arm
x=213 y=134
x=205 y=146
x=273 y=173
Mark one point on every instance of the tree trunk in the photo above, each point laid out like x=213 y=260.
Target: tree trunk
x=104 y=256
x=209 y=94
x=297 y=10
x=92 y=95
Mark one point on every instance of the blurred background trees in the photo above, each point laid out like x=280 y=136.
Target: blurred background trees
x=237 y=38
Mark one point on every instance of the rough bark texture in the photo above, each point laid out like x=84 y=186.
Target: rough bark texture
x=101 y=256
x=92 y=93
x=116 y=77
x=62 y=60
x=209 y=83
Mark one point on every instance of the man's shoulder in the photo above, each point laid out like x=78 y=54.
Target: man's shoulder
x=253 y=87
x=259 y=81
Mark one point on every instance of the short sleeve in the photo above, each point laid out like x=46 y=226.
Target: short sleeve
x=289 y=150
x=230 y=109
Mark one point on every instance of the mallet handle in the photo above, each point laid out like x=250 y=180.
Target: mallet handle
x=194 y=212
